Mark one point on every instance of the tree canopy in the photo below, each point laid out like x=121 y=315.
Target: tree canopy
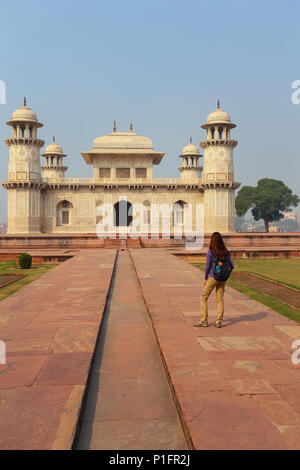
x=268 y=200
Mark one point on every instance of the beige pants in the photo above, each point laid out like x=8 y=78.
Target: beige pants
x=211 y=283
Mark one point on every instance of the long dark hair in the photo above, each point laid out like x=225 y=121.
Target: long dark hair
x=217 y=246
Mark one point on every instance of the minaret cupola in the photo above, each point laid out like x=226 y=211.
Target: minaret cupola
x=24 y=146
x=54 y=167
x=218 y=172
x=24 y=183
x=190 y=162
x=218 y=125
x=218 y=147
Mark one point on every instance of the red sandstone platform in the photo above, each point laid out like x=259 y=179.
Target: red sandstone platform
x=91 y=240
x=50 y=328
x=47 y=248
x=235 y=387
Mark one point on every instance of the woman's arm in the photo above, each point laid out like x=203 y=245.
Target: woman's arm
x=231 y=263
x=208 y=264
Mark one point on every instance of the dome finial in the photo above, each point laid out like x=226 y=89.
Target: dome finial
x=191 y=140
x=115 y=126
x=218 y=105
x=25 y=102
x=131 y=127
x=54 y=139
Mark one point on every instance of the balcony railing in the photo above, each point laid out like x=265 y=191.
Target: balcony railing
x=126 y=181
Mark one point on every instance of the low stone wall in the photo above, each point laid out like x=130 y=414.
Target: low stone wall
x=36 y=259
x=51 y=241
x=90 y=240
x=245 y=254
x=261 y=239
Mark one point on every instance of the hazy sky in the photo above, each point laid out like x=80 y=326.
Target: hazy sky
x=162 y=64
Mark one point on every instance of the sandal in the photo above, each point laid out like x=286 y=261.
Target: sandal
x=200 y=323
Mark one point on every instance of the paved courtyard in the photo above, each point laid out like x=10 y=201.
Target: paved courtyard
x=153 y=374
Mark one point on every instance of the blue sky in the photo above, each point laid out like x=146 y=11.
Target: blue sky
x=163 y=65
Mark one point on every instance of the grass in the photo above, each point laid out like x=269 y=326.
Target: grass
x=7 y=267
x=284 y=271
x=267 y=300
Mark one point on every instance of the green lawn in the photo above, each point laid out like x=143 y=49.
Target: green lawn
x=7 y=267
x=285 y=271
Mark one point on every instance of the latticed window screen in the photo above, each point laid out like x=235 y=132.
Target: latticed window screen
x=104 y=172
x=141 y=172
x=65 y=217
x=123 y=172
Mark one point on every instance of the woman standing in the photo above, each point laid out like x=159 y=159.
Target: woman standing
x=217 y=260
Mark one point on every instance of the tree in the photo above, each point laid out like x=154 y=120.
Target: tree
x=268 y=200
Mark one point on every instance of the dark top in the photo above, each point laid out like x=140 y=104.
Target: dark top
x=209 y=264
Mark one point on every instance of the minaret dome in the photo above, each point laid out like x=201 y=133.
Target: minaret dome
x=54 y=155
x=190 y=162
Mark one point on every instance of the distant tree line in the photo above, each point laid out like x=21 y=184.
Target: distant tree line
x=268 y=201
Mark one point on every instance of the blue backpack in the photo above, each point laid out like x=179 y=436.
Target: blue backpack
x=221 y=269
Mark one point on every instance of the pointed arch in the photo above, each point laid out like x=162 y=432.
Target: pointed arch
x=178 y=213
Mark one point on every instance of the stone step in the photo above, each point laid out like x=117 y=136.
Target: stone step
x=123 y=244
x=113 y=243
x=133 y=243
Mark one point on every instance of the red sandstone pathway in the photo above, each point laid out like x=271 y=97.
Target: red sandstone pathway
x=50 y=328
x=236 y=386
x=129 y=404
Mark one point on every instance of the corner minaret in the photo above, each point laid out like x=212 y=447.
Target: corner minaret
x=24 y=172
x=190 y=162
x=53 y=167
x=218 y=174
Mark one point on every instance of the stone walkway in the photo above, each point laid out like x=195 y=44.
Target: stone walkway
x=236 y=386
x=50 y=328
x=129 y=404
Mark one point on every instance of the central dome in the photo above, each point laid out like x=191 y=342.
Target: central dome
x=123 y=141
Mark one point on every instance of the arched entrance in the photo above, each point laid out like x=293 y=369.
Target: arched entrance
x=122 y=214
